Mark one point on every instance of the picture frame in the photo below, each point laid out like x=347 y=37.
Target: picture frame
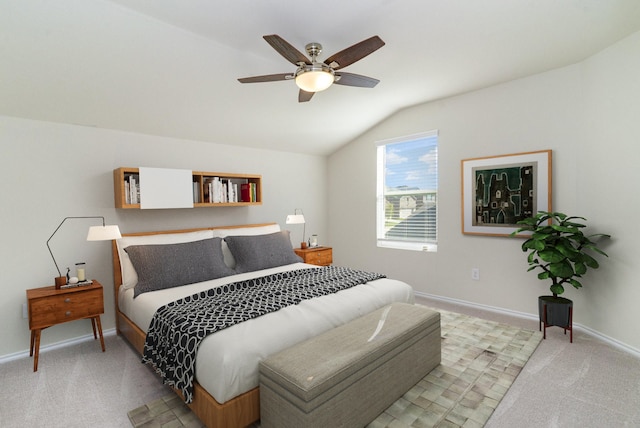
x=498 y=191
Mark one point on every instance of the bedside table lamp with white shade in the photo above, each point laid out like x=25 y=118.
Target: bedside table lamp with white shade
x=298 y=218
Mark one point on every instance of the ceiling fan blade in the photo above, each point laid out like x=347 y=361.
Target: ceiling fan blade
x=350 y=79
x=284 y=48
x=304 y=96
x=354 y=53
x=266 y=78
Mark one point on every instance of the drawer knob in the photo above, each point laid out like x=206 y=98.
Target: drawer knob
x=67 y=300
x=68 y=313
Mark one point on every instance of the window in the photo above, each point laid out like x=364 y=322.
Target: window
x=407 y=192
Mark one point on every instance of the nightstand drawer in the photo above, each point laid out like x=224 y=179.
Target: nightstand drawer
x=55 y=309
x=320 y=257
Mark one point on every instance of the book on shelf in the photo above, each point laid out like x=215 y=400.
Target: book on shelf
x=245 y=192
x=196 y=192
x=233 y=192
x=206 y=191
x=132 y=189
x=217 y=190
x=248 y=192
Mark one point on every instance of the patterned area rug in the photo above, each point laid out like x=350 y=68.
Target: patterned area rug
x=480 y=361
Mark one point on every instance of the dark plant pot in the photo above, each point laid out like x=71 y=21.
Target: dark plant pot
x=559 y=312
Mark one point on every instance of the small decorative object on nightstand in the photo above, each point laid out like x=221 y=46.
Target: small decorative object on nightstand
x=321 y=256
x=49 y=306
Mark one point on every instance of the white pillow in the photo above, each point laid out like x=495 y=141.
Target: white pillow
x=129 y=275
x=241 y=231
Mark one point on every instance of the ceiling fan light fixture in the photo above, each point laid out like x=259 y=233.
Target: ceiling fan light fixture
x=314 y=78
x=312 y=75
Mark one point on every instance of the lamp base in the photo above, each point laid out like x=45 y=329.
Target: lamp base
x=303 y=245
x=60 y=281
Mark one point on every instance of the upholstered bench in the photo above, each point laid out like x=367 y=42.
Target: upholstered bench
x=348 y=376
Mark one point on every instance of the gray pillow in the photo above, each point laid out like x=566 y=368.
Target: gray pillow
x=171 y=265
x=261 y=251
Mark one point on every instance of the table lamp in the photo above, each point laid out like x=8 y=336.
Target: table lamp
x=96 y=233
x=296 y=218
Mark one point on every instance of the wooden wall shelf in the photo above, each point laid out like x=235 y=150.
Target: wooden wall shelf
x=247 y=189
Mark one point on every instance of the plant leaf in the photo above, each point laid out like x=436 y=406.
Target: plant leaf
x=562 y=228
x=526 y=245
x=566 y=249
x=576 y=284
x=596 y=249
x=590 y=261
x=551 y=255
x=562 y=269
x=557 y=289
x=580 y=269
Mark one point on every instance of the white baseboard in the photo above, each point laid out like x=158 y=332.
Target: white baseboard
x=61 y=344
x=523 y=315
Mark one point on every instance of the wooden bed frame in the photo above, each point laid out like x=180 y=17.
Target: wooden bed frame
x=240 y=411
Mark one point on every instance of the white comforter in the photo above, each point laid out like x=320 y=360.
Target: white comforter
x=227 y=361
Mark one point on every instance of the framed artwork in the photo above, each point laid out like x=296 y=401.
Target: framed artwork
x=499 y=191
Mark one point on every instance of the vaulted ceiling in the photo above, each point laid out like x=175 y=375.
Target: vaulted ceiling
x=170 y=67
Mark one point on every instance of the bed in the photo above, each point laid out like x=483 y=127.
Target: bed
x=225 y=391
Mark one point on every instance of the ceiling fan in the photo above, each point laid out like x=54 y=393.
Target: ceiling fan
x=312 y=75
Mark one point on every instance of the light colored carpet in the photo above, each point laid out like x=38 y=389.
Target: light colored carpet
x=480 y=361
x=587 y=384
x=77 y=386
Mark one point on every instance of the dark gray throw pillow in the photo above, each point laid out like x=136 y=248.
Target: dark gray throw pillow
x=257 y=252
x=171 y=265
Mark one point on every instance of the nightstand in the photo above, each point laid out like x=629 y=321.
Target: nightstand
x=321 y=256
x=48 y=307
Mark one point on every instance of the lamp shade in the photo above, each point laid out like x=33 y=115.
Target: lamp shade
x=295 y=219
x=104 y=233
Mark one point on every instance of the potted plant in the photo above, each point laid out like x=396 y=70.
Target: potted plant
x=561 y=253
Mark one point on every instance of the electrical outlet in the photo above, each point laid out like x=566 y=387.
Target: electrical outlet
x=25 y=313
x=475 y=274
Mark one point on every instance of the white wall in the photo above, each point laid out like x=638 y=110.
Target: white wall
x=587 y=114
x=50 y=171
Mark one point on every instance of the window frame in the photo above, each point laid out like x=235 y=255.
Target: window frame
x=381 y=240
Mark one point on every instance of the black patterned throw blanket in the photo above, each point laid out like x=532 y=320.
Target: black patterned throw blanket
x=178 y=328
